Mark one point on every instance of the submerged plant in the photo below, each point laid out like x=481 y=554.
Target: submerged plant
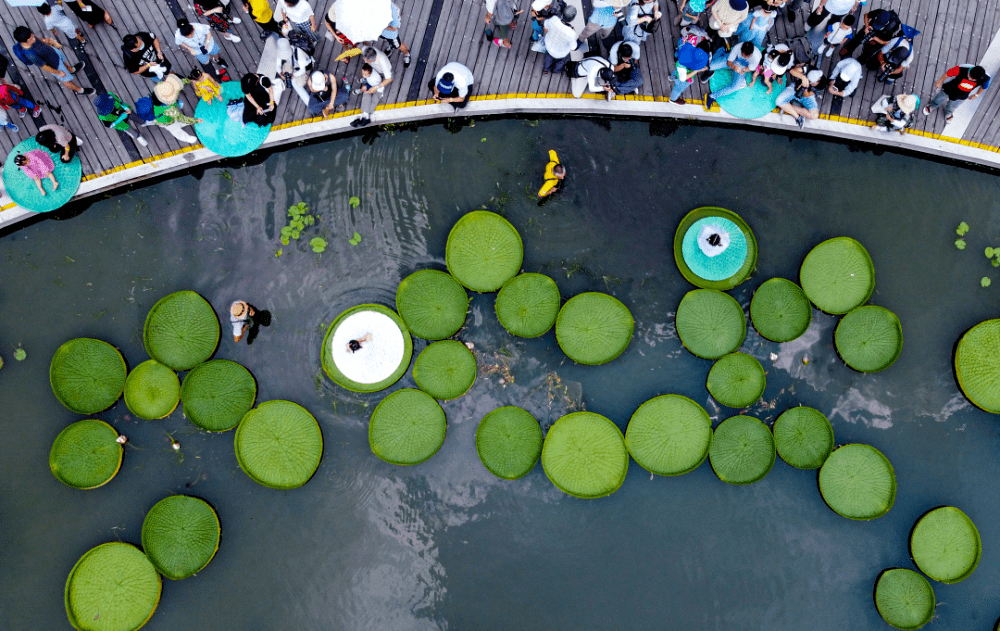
x=298 y=220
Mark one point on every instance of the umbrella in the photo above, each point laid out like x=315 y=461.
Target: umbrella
x=363 y=20
x=25 y=3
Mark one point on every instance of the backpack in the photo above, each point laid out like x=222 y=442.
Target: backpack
x=300 y=40
x=8 y=95
x=554 y=9
x=801 y=49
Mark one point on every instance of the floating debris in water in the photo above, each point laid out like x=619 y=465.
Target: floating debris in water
x=121 y=440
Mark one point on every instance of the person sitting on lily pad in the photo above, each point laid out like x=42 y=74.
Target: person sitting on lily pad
x=37 y=164
x=355 y=345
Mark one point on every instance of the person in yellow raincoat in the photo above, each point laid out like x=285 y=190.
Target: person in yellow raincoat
x=554 y=173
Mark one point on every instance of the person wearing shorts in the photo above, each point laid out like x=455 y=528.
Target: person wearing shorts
x=241 y=318
x=45 y=53
x=55 y=19
x=799 y=99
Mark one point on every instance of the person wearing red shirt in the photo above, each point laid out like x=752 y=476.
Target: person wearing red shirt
x=958 y=84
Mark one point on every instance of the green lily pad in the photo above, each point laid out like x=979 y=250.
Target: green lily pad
x=152 y=390
x=945 y=545
x=803 y=437
x=669 y=435
x=736 y=380
x=869 y=338
x=87 y=376
x=838 y=275
x=904 y=599
x=381 y=361
x=584 y=455
x=445 y=370
x=710 y=323
x=217 y=394
x=407 y=427
x=858 y=482
x=279 y=444
x=113 y=587
x=527 y=305
x=432 y=304
x=746 y=255
x=780 y=310
x=509 y=442
x=742 y=450
x=86 y=455
x=483 y=251
x=594 y=328
x=977 y=365
x=181 y=330
x=180 y=535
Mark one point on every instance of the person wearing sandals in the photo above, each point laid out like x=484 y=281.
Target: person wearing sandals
x=90 y=13
x=218 y=16
x=964 y=82
x=502 y=14
x=391 y=36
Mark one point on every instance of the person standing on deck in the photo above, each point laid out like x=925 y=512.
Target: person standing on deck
x=298 y=15
x=46 y=54
x=502 y=14
x=262 y=14
x=881 y=25
x=826 y=8
x=845 y=77
x=965 y=82
x=55 y=19
x=90 y=13
x=371 y=93
x=142 y=55
x=559 y=40
x=602 y=21
x=391 y=36
x=116 y=115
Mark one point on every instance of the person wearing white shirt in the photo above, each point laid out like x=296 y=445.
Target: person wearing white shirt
x=298 y=14
x=197 y=40
x=831 y=7
x=453 y=84
x=846 y=77
x=560 y=40
x=373 y=84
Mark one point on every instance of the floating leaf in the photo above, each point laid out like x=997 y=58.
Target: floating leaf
x=278 y=252
x=152 y=390
x=309 y=219
x=483 y=251
x=318 y=244
x=584 y=455
x=742 y=450
x=287 y=230
x=407 y=427
x=19 y=354
x=989 y=253
x=432 y=304
x=977 y=365
x=945 y=545
x=857 y=482
x=118 y=582
x=279 y=444
x=87 y=375
x=528 y=304
x=181 y=330
x=357 y=237
x=995 y=262
x=837 y=275
x=445 y=370
x=985 y=282
x=904 y=598
x=960 y=244
x=669 y=435
x=869 y=338
x=295 y=234
x=217 y=394
x=86 y=455
x=284 y=240
x=509 y=442
x=594 y=328
x=483 y=140
x=962 y=228
x=354 y=202
x=180 y=535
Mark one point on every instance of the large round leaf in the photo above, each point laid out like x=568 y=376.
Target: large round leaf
x=380 y=362
x=683 y=249
x=742 y=450
x=803 y=437
x=780 y=310
x=710 y=323
x=483 y=251
x=509 y=442
x=737 y=380
x=217 y=394
x=432 y=303
x=113 y=587
x=180 y=535
x=445 y=370
x=87 y=375
x=945 y=545
x=584 y=455
x=838 y=275
x=669 y=435
x=152 y=390
x=977 y=365
x=407 y=427
x=904 y=599
x=594 y=328
x=86 y=454
x=869 y=338
x=279 y=444
x=858 y=482
x=527 y=304
x=181 y=330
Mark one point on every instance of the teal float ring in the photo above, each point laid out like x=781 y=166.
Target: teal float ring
x=703 y=271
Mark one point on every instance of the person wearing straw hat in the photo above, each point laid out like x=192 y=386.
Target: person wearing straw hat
x=116 y=115
x=726 y=16
x=165 y=103
x=241 y=315
x=895 y=113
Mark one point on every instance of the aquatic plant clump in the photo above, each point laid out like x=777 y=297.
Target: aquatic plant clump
x=858 y=482
x=945 y=545
x=381 y=359
x=904 y=598
x=445 y=370
x=113 y=587
x=838 y=275
x=509 y=442
x=726 y=269
x=279 y=444
x=407 y=427
x=181 y=330
x=669 y=435
x=152 y=390
x=87 y=375
x=594 y=328
x=217 y=394
x=977 y=365
x=742 y=450
x=869 y=338
x=180 y=535
x=803 y=437
x=527 y=305
x=432 y=304
x=483 y=251
x=736 y=380
x=780 y=310
x=86 y=455
x=584 y=455
x=710 y=323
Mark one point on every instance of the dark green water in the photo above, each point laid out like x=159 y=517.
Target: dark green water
x=445 y=545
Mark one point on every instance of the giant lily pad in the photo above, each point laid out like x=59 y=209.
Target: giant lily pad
x=669 y=435
x=152 y=390
x=977 y=365
x=584 y=455
x=527 y=305
x=87 y=375
x=432 y=304
x=407 y=427
x=279 y=444
x=181 y=330
x=380 y=362
x=838 y=275
x=594 y=328
x=724 y=271
x=737 y=380
x=445 y=370
x=483 y=251
x=869 y=338
x=945 y=545
x=780 y=310
x=113 y=587
x=742 y=450
x=904 y=599
x=803 y=437
x=710 y=323
x=509 y=442
x=858 y=482
x=180 y=535
x=217 y=394
x=86 y=455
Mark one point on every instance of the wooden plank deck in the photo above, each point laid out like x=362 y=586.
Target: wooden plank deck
x=439 y=31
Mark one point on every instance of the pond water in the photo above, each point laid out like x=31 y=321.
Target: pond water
x=445 y=545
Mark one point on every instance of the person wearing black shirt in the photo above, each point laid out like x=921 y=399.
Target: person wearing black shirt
x=142 y=55
x=881 y=25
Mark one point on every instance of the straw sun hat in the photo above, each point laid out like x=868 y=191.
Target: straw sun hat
x=731 y=11
x=907 y=102
x=168 y=90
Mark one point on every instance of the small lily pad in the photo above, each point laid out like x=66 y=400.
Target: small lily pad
x=960 y=244
x=985 y=282
x=318 y=244
x=20 y=354
x=356 y=239
x=989 y=253
x=962 y=229
x=354 y=202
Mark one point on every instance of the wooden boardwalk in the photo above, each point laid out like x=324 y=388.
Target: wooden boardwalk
x=440 y=31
